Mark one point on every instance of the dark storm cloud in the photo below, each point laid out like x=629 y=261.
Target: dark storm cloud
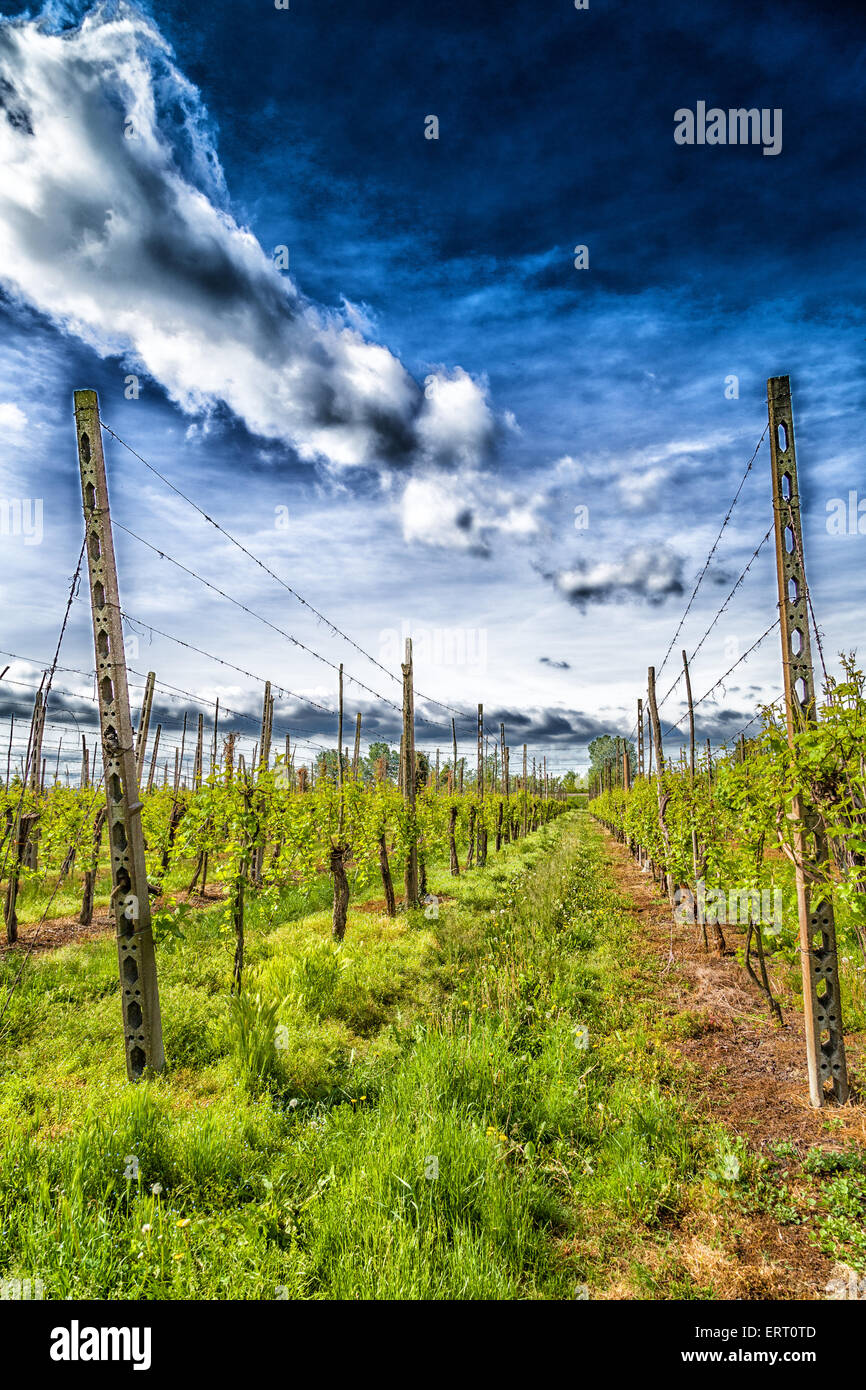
x=645 y=573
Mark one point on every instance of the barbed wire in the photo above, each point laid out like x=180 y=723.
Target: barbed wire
x=713 y=549
x=332 y=626
x=723 y=678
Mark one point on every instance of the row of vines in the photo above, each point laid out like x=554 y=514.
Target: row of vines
x=241 y=832
x=721 y=841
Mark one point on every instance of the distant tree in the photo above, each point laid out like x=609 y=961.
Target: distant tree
x=422 y=770
x=326 y=765
x=392 y=761
x=602 y=751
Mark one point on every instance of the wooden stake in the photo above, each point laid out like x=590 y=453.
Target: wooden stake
x=154 y=757
x=660 y=760
x=265 y=733
x=640 y=768
x=9 y=752
x=214 y=762
x=412 y=899
x=178 y=756
x=199 y=754
x=144 y=725
x=698 y=912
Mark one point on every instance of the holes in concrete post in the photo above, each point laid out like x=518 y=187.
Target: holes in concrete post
x=118 y=835
x=85 y=447
x=94 y=547
x=133 y=1015
x=782 y=435
x=800 y=690
x=102 y=644
x=106 y=690
x=793 y=590
x=796 y=641
x=788 y=538
x=98 y=595
x=116 y=788
x=130 y=970
x=137 y=1061
x=89 y=496
x=786 y=486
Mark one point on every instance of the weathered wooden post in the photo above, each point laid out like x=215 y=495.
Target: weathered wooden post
x=142 y=1024
x=144 y=725
x=265 y=736
x=822 y=1002
x=214 y=762
x=152 y=773
x=337 y=851
x=640 y=768
x=504 y=783
x=660 y=760
x=199 y=754
x=454 y=752
x=698 y=910
x=356 y=755
x=178 y=756
x=411 y=877
x=481 y=835
x=37 y=729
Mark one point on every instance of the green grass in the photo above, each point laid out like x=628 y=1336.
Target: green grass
x=474 y=1105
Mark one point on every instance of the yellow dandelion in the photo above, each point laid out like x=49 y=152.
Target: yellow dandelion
x=184 y=1222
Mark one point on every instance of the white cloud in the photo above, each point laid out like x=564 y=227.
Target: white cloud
x=12 y=418
x=114 y=222
x=648 y=572
x=464 y=511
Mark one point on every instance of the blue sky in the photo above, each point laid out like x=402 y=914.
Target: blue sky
x=431 y=388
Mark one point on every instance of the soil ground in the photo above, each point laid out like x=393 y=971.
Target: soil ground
x=749 y=1075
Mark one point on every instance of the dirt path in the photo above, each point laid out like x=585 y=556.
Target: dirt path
x=54 y=932
x=749 y=1075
